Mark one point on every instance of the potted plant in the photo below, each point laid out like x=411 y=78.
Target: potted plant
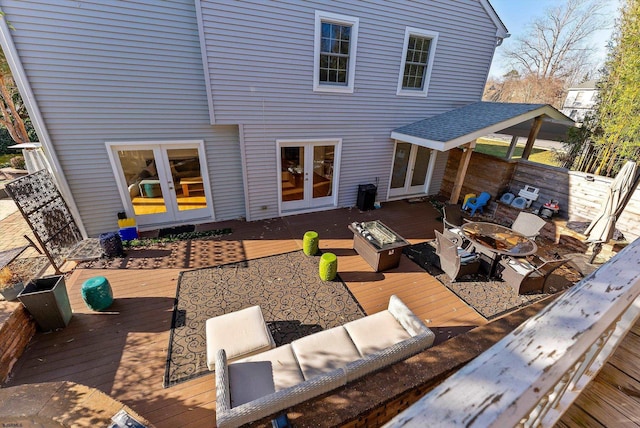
x=11 y=284
x=47 y=301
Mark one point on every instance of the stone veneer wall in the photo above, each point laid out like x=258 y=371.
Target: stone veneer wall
x=16 y=330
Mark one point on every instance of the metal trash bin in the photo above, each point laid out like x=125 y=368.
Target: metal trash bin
x=366 y=196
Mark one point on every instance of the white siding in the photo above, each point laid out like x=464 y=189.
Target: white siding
x=261 y=60
x=120 y=70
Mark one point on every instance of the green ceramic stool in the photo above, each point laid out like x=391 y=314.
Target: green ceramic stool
x=310 y=243
x=96 y=293
x=328 y=267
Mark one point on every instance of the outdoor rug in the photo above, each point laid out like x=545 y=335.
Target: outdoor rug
x=490 y=298
x=293 y=299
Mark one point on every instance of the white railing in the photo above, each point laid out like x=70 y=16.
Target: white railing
x=532 y=376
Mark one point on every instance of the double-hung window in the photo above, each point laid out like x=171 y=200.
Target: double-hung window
x=417 y=60
x=336 y=39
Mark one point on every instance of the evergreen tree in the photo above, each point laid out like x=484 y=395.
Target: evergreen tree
x=619 y=107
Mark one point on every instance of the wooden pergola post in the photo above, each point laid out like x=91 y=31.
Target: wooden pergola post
x=462 y=171
x=533 y=134
x=512 y=147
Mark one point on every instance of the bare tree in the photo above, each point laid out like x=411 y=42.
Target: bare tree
x=12 y=111
x=556 y=45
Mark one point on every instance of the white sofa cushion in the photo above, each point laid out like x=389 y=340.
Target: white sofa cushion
x=376 y=332
x=324 y=351
x=240 y=334
x=263 y=374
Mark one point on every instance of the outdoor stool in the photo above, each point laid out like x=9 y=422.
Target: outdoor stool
x=328 y=268
x=310 y=243
x=96 y=293
x=241 y=334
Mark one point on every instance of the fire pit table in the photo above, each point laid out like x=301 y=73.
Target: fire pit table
x=377 y=244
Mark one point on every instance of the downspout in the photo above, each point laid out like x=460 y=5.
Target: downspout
x=19 y=76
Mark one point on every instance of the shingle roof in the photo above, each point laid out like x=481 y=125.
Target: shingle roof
x=465 y=120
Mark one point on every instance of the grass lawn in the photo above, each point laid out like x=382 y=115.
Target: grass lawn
x=499 y=149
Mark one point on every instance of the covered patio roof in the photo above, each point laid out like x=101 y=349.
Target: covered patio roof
x=462 y=125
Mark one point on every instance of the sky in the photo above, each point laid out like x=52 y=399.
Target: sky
x=517 y=14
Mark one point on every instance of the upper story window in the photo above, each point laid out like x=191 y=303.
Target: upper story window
x=335 y=52
x=417 y=60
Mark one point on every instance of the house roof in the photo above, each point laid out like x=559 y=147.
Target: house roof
x=459 y=126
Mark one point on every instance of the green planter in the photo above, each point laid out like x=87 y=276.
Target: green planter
x=47 y=301
x=328 y=268
x=310 y=243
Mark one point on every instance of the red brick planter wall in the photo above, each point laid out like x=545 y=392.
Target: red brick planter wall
x=16 y=330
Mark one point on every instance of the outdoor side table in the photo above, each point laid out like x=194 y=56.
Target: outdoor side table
x=96 y=293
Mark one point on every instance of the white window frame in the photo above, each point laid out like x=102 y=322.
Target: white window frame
x=351 y=73
x=433 y=36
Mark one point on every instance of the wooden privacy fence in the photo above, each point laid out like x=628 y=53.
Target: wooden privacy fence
x=579 y=194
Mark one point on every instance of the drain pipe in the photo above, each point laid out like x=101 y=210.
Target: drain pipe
x=19 y=76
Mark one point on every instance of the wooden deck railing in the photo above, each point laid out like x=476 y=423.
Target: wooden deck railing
x=535 y=373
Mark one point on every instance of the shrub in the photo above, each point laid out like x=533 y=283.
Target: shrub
x=18 y=162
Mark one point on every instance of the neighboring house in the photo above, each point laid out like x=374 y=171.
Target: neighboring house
x=581 y=100
x=193 y=111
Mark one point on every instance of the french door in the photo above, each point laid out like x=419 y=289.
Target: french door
x=411 y=170
x=162 y=183
x=307 y=172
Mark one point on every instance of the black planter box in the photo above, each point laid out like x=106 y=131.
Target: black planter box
x=47 y=301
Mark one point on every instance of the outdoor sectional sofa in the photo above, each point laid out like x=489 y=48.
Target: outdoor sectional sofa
x=263 y=384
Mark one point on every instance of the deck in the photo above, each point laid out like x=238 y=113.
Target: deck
x=122 y=352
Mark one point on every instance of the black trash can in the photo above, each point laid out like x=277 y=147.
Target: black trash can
x=366 y=196
x=111 y=244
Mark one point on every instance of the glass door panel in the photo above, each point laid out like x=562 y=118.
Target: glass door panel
x=400 y=165
x=293 y=176
x=420 y=169
x=323 y=159
x=143 y=184
x=186 y=176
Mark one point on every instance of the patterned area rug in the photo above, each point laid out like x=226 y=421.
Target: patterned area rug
x=490 y=298
x=294 y=302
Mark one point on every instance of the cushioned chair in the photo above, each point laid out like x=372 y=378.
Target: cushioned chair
x=455 y=261
x=528 y=224
x=526 y=277
x=452 y=221
x=478 y=203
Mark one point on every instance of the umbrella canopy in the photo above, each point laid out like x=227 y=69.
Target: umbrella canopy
x=602 y=226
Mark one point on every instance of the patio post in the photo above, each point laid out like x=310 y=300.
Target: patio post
x=462 y=171
x=533 y=134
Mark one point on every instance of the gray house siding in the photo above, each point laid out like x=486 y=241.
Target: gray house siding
x=121 y=71
x=260 y=63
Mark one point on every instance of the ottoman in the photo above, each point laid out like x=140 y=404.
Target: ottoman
x=240 y=334
x=96 y=293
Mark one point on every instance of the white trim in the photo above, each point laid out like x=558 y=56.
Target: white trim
x=501 y=30
x=205 y=61
x=321 y=16
x=431 y=35
x=20 y=77
x=245 y=184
